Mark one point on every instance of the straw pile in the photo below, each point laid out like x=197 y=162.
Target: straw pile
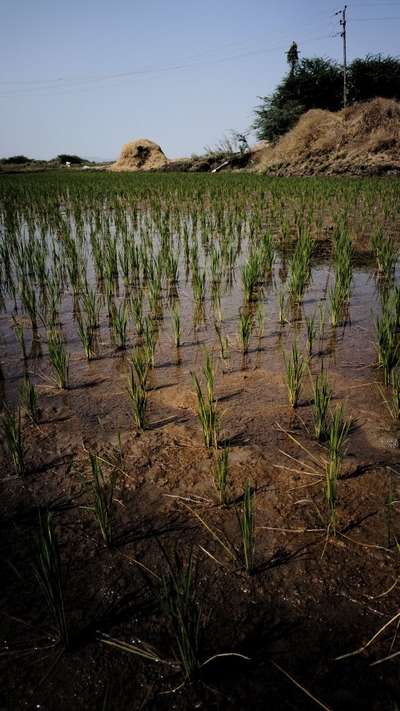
x=141 y=154
x=363 y=139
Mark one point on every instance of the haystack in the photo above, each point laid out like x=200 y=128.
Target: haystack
x=141 y=154
x=363 y=139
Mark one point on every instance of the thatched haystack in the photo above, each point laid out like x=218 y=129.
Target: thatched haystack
x=141 y=154
x=363 y=139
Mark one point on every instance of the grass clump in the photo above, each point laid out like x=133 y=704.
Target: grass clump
x=103 y=500
x=177 y=327
x=247 y=528
x=59 y=358
x=245 y=330
x=221 y=473
x=119 y=325
x=206 y=406
x=322 y=400
x=87 y=336
x=337 y=442
x=48 y=571
x=295 y=368
x=184 y=614
x=138 y=398
x=12 y=431
x=28 y=397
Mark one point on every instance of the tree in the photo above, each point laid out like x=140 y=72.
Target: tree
x=292 y=57
x=315 y=83
x=15 y=160
x=67 y=158
x=374 y=76
x=318 y=84
x=272 y=121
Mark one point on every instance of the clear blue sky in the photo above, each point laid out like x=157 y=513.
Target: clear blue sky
x=193 y=69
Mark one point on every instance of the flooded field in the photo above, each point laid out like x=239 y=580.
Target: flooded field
x=200 y=394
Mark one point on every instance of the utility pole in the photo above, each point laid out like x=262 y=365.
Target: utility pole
x=343 y=24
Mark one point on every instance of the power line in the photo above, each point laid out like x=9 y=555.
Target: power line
x=343 y=34
x=73 y=83
x=205 y=53
x=372 y=19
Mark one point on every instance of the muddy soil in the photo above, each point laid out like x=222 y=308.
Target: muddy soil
x=311 y=597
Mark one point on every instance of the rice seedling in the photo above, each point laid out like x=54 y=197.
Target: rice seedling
x=29 y=399
x=141 y=365
x=223 y=341
x=29 y=301
x=245 y=330
x=150 y=336
x=337 y=442
x=19 y=332
x=86 y=334
x=311 y=333
x=251 y=276
x=216 y=301
x=176 y=324
x=395 y=392
x=199 y=286
x=388 y=344
x=338 y=296
x=387 y=253
x=119 y=325
x=183 y=622
x=321 y=324
x=221 y=473
x=103 y=499
x=155 y=302
x=13 y=437
x=59 y=358
x=138 y=398
x=282 y=308
x=300 y=267
x=172 y=269
x=208 y=372
x=295 y=366
x=392 y=400
x=267 y=252
x=207 y=413
x=322 y=400
x=52 y=317
x=246 y=520
x=48 y=571
x=184 y=614
x=137 y=314
x=260 y=321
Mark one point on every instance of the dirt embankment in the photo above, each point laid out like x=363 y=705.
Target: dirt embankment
x=363 y=139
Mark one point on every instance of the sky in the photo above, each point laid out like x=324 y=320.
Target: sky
x=85 y=76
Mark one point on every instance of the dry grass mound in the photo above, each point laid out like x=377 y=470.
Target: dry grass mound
x=141 y=154
x=363 y=139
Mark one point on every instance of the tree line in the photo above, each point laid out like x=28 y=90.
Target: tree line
x=317 y=83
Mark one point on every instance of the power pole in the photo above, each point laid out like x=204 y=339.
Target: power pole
x=343 y=24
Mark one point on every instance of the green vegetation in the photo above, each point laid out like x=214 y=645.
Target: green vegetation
x=149 y=289
x=247 y=528
x=103 y=499
x=49 y=574
x=59 y=358
x=12 y=431
x=206 y=405
x=317 y=83
x=295 y=369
